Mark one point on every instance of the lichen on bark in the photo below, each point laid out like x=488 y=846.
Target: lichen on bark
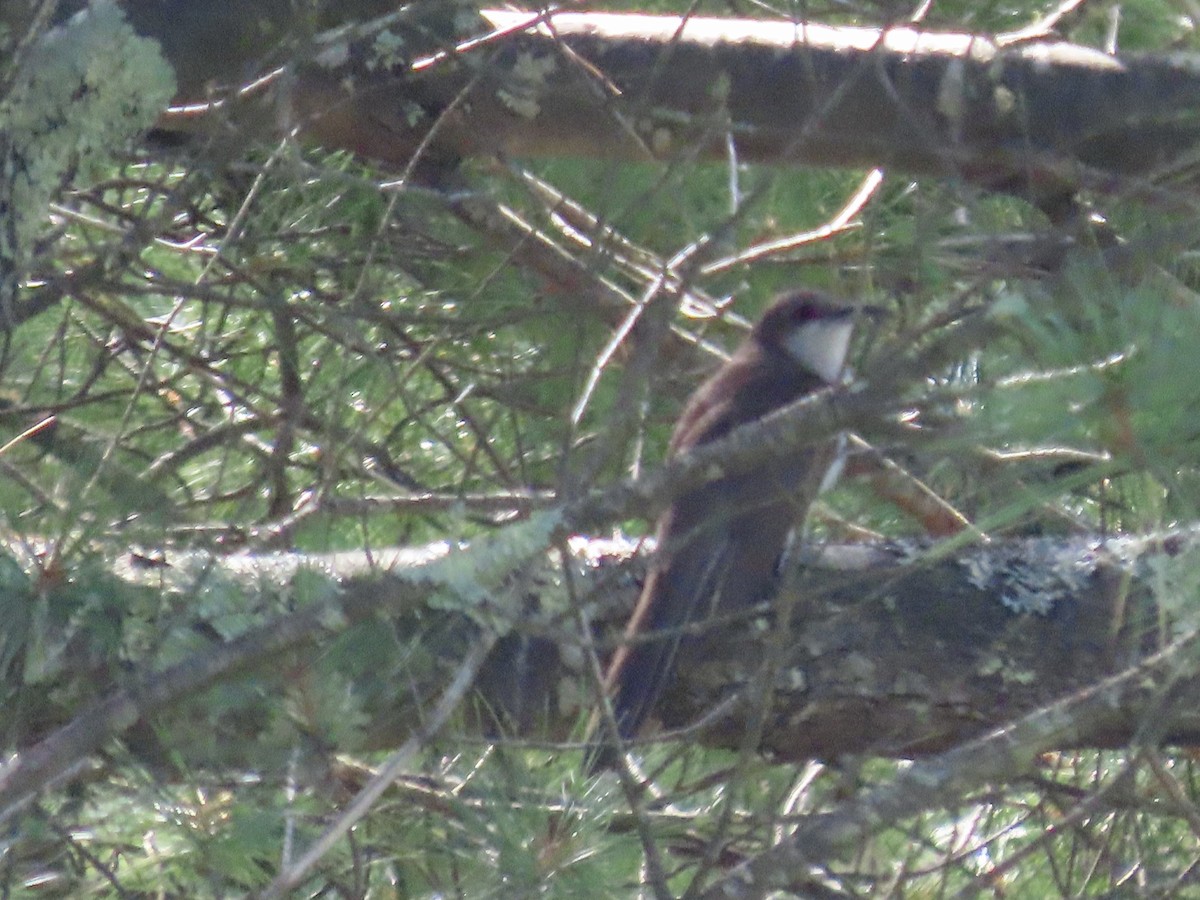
x=86 y=88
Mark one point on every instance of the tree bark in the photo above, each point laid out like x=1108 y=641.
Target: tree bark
x=1040 y=117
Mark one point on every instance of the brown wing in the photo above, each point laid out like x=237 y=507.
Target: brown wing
x=718 y=552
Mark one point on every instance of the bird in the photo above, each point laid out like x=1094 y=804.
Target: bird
x=718 y=546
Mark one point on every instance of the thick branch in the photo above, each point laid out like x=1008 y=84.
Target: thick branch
x=643 y=87
x=896 y=653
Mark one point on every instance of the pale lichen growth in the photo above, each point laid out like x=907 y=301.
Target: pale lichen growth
x=526 y=82
x=859 y=667
x=387 y=51
x=661 y=141
x=991 y=665
x=473 y=576
x=721 y=89
x=86 y=88
x=1023 y=677
x=532 y=69
x=1175 y=579
x=951 y=95
x=334 y=56
x=1033 y=576
x=1004 y=100
x=794 y=679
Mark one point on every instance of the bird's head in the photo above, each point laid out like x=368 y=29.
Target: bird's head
x=811 y=329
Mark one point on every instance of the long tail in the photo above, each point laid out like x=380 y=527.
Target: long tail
x=644 y=667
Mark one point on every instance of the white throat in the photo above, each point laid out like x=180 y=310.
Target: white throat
x=821 y=347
